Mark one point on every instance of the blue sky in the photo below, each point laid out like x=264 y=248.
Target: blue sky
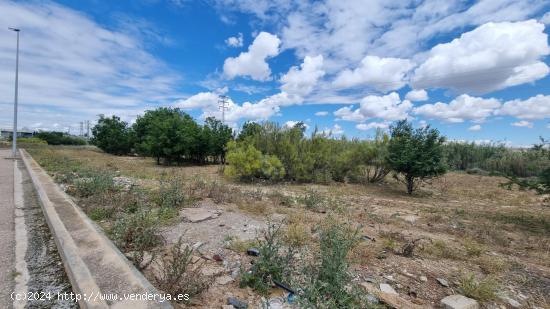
x=476 y=70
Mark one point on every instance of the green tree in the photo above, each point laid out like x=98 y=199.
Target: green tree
x=415 y=153
x=218 y=135
x=248 y=163
x=168 y=133
x=112 y=135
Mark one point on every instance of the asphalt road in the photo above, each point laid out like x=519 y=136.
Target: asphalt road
x=7 y=229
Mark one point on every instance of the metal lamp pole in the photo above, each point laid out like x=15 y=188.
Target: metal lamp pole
x=14 y=136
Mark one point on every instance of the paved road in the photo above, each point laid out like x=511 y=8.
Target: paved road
x=7 y=229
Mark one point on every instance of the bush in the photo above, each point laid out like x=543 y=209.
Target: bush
x=138 y=234
x=177 y=275
x=482 y=290
x=415 y=153
x=273 y=263
x=31 y=140
x=171 y=192
x=247 y=163
x=60 y=138
x=328 y=282
x=95 y=184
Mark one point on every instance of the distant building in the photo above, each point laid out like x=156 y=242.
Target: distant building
x=6 y=133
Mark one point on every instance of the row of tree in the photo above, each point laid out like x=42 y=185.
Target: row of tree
x=167 y=134
x=272 y=152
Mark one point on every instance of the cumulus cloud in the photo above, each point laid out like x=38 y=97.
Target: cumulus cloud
x=475 y=127
x=523 y=123
x=491 y=57
x=545 y=19
x=253 y=62
x=463 y=107
x=373 y=125
x=537 y=107
x=321 y=113
x=388 y=107
x=301 y=80
x=379 y=73
x=292 y=123
x=72 y=68
x=335 y=130
x=235 y=41
x=417 y=95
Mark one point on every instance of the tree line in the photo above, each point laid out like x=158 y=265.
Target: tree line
x=167 y=134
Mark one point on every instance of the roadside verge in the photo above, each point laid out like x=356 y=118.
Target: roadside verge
x=96 y=268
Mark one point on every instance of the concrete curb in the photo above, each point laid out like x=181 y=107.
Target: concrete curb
x=93 y=264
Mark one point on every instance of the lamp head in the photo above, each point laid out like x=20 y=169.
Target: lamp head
x=14 y=29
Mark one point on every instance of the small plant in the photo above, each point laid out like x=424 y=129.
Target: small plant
x=101 y=213
x=96 y=184
x=482 y=290
x=472 y=247
x=138 y=234
x=492 y=264
x=440 y=249
x=239 y=245
x=313 y=199
x=328 y=283
x=171 y=192
x=297 y=234
x=177 y=275
x=274 y=262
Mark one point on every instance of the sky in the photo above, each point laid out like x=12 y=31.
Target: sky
x=475 y=70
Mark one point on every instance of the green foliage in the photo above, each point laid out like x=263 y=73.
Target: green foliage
x=497 y=159
x=328 y=282
x=174 y=136
x=60 y=138
x=96 y=183
x=482 y=290
x=31 y=140
x=415 y=153
x=171 y=192
x=273 y=263
x=247 y=163
x=112 y=135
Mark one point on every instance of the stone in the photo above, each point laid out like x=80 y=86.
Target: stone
x=228 y=307
x=195 y=215
x=238 y=304
x=386 y=288
x=458 y=302
x=443 y=282
x=212 y=270
x=423 y=278
x=410 y=218
x=223 y=280
x=217 y=258
x=510 y=301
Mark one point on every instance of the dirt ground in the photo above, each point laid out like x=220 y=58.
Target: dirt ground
x=464 y=229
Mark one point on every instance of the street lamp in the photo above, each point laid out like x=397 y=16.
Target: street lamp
x=14 y=136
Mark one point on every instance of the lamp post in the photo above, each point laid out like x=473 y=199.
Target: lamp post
x=14 y=136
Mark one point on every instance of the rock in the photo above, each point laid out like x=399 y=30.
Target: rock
x=238 y=304
x=443 y=282
x=253 y=252
x=212 y=270
x=386 y=288
x=423 y=278
x=223 y=280
x=510 y=301
x=195 y=215
x=217 y=258
x=371 y=299
x=227 y=307
x=458 y=302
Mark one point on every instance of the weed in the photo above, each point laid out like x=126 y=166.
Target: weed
x=297 y=234
x=94 y=184
x=273 y=263
x=171 y=193
x=313 y=199
x=282 y=199
x=492 y=264
x=138 y=234
x=482 y=290
x=328 y=283
x=101 y=213
x=178 y=276
x=239 y=245
x=472 y=247
x=440 y=249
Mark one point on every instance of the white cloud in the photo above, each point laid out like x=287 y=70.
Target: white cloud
x=292 y=123
x=388 y=107
x=373 y=125
x=235 y=41
x=72 y=68
x=321 y=113
x=335 y=130
x=379 y=73
x=491 y=57
x=417 y=95
x=545 y=19
x=537 y=107
x=523 y=123
x=475 y=127
x=253 y=62
x=300 y=81
x=463 y=107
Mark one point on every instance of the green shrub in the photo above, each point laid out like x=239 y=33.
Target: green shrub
x=112 y=135
x=274 y=262
x=95 y=184
x=31 y=140
x=171 y=192
x=482 y=290
x=60 y=138
x=327 y=280
x=247 y=163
